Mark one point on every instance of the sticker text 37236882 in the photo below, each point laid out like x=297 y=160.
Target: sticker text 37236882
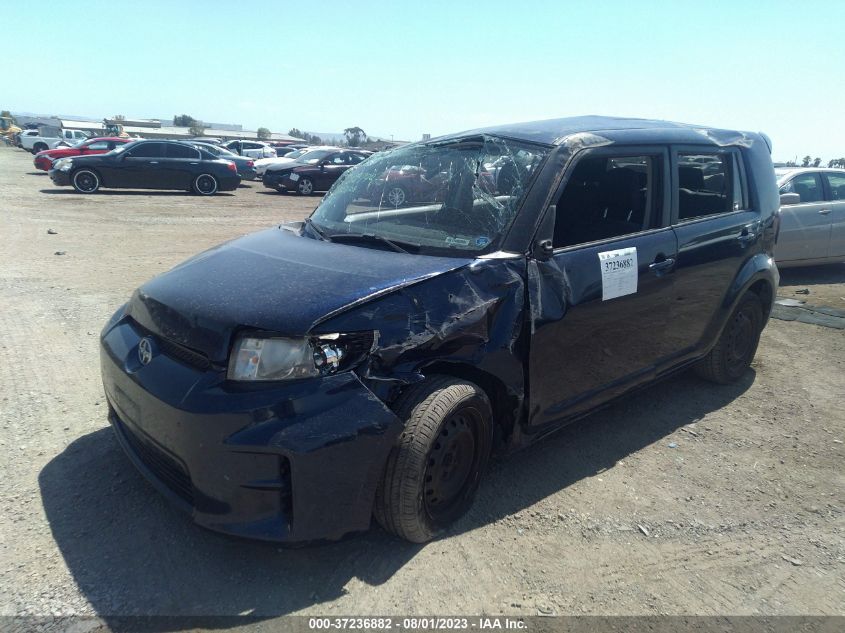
x=618 y=272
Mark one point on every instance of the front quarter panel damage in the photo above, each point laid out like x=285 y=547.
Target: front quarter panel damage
x=468 y=322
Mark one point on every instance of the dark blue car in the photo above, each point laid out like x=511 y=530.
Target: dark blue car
x=296 y=382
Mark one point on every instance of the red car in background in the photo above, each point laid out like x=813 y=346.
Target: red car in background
x=44 y=160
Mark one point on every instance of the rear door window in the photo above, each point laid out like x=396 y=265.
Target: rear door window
x=836 y=185
x=708 y=184
x=182 y=151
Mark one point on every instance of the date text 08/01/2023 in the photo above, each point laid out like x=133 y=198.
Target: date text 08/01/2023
x=417 y=623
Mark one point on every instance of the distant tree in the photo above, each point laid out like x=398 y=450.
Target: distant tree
x=197 y=129
x=8 y=115
x=118 y=117
x=184 y=120
x=805 y=162
x=355 y=136
x=263 y=133
x=817 y=161
x=836 y=162
x=296 y=132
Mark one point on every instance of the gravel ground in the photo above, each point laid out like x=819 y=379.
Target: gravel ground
x=688 y=498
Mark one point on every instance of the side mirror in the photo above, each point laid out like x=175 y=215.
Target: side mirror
x=544 y=249
x=789 y=198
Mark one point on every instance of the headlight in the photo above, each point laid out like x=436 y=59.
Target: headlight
x=271 y=359
x=256 y=358
x=63 y=164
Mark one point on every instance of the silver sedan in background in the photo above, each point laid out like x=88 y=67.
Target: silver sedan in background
x=812 y=227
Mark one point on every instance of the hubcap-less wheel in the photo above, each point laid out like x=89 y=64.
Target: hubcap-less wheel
x=396 y=196
x=305 y=187
x=205 y=185
x=741 y=338
x=85 y=181
x=450 y=463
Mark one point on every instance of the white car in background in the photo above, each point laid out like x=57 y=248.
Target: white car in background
x=251 y=149
x=274 y=164
x=263 y=164
x=812 y=216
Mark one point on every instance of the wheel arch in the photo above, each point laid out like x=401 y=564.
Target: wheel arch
x=503 y=404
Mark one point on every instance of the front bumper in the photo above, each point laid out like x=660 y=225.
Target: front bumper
x=273 y=180
x=43 y=163
x=290 y=462
x=59 y=178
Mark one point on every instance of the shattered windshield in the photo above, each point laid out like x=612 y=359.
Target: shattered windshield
x=434 y=198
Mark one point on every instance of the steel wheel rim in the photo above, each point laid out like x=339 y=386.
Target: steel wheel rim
x=85 y=181
x=740 y=340
x=452 y=461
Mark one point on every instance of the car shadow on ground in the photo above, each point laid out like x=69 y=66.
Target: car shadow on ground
x=130 y=553
x=812 y=275
x=132 y=192
x=36 y=173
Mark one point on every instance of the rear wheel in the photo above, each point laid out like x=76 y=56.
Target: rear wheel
x=85 y=181
x=305 y=187
x=39 y=147
x=737 y=344
x=433 y=471
x=205 y=185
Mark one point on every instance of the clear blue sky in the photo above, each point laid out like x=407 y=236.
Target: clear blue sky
x=405 y=68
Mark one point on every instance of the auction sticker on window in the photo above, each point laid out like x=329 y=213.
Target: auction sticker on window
x=618 y=273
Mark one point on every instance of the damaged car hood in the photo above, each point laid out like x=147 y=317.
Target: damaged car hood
x=274 y=280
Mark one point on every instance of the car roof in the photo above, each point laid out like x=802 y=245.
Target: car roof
x=556 y=131
x=783 y=173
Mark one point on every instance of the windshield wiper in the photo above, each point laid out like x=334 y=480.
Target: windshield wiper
x=372 y=237
x=320 y=233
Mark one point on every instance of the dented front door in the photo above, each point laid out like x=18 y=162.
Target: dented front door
x=598 y=321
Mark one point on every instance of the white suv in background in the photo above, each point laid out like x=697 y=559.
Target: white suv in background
x=252 y=149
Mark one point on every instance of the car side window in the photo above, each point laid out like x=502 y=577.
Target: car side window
x=354 y=159
x=147 y=150
x=707 y=184
x=836 y=185
x=807 y=185
x=609 y=196
x=99 y=145
x=182 y=151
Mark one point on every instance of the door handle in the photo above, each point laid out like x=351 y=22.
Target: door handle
x=194 y=163
x=824 y=212
x=663 y=264
x=153 y=162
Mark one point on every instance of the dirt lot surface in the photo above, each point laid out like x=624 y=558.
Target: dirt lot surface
x=686 y=499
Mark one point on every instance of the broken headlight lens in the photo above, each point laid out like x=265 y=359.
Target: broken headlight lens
x=63 y=164
x=271 y=359
x=257 y=358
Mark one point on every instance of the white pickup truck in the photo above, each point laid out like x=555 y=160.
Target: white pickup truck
x=50 y=138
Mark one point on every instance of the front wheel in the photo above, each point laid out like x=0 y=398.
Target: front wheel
x=205 y=185
x=305 y=187
x=85 y=181
x=433 y=471
x=735 y=349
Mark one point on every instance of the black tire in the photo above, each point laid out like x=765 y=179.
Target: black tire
x=85 y=181
x=737 y=344
x=39 y=147
x=305 y=186
x=431 y=477
x=395 y=195
x=205 y=185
